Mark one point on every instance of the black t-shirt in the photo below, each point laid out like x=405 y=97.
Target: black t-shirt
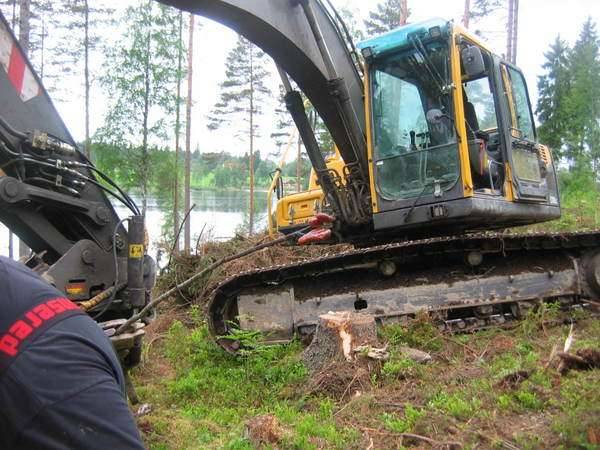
x=61 y=384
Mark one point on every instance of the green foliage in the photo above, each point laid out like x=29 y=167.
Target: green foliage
x=142 y=79
x=242 y=95
x=229 y=380
x=578 y=403
x=455 y=404
x=351 y=18
x=211 y=396
x=420 y=333
x=400 y=369
x=385 y=17
x=535 y=318
x=223 y=171
x=405 y=424
x=569 y=100
x=41 y=15
x=483 y=8
x=219 y=392
x=529 y=400
x=283 y=127
x=553 y=89
x=243 y=91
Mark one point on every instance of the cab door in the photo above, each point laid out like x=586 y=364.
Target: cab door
x=530 y=163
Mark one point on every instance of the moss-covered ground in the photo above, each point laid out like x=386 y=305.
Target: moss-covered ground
x=202 y=397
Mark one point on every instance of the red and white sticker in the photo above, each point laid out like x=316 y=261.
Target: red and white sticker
x=14 y=64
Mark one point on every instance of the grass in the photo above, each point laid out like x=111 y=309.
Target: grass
x=203 y=397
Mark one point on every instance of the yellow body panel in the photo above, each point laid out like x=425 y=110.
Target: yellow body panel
x=463 y=147
x=296 y=209
x=370 y=149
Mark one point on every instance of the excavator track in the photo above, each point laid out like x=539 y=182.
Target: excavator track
x=465 y=283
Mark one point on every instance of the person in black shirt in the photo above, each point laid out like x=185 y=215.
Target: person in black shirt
x=61 y=384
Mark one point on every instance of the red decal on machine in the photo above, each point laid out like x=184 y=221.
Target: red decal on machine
x=14 y=64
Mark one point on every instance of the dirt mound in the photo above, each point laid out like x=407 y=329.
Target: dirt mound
x=184 y=266
x=264 y=430
x=340 y=381
x=513 y=380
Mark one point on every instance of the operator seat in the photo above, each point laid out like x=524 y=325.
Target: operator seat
x=478 y=154
x=472 y=124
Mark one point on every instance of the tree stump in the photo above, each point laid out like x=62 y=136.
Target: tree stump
x=343 y=355
x=336 y=338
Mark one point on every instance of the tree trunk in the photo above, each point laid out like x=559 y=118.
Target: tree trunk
x=299 y=164
x=11 y=251
x=336 y=338
x=467 y=13
x=24 y=29
x=24 y=25
x=177 y=135
x=145 y=165
x=188 y=136
x=403 y=12
x=515 y=30
x=251 y=162
x=14 y=15
x=509 y=31
x=42 y=42
x=86 y=73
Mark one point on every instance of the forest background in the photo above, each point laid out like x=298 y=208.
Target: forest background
x=137 y=62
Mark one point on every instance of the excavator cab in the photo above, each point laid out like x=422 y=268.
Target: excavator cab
x=451 y=137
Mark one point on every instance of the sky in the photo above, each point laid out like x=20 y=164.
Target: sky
x=540 y=21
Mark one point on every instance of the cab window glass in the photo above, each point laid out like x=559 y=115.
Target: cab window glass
x=520 y=108
x=414 y=137
x=478 y=93
x=399 y=110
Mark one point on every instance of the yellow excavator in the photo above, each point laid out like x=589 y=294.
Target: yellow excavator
x=451 y=140
x=436 y=147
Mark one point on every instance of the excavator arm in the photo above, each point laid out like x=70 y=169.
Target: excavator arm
x=57 y=202
x=308 y=42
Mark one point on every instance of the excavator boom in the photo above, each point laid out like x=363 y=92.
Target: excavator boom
x=282 y=30
x=309 y=43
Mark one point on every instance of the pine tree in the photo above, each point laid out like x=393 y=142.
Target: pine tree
x=483 y=8
x=583 y=102
x=142 y=79
x=30 y=23
x=242 y=94
x=188 y=136
x=553 y=89
x=176 y=189
x=283 y=126
x=386 y=16
x=351 y=18
x=77 y=38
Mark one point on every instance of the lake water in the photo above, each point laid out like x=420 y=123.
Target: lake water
x=220 y=213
